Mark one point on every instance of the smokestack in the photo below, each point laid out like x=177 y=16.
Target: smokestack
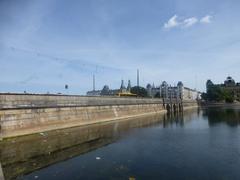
x=93 y=82
x=137 y=77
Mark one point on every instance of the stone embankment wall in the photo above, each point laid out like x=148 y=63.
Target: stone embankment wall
x=28 y=153
x=22 y=114
x=190 y=104
x=26 y=114
x=38 y=100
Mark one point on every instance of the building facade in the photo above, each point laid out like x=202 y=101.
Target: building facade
x=164 y=91
x=229 y=85
x=175 y=92
x=106 y=91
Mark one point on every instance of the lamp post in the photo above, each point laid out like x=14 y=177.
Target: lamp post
x=66 y=88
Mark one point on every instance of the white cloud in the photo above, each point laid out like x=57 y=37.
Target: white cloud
x=172 y=22
x=206 y=19
x=189 y=22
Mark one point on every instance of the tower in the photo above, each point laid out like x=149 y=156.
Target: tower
x=180 y=90
x=93 y=82
x=164 y=89
x=122 y=88
x=149 y=90
x=137 y=77
x=129 y=86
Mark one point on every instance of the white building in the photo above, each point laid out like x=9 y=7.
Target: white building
x=175 y=92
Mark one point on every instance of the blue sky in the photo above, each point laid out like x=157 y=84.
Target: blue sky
x=49 y=43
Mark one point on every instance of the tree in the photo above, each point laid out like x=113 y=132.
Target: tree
x=204 y=96
x=228 y=96
x=157 y=95
x=215 y=94
x=140 y=91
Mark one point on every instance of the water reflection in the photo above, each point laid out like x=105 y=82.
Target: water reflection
x=28 y=153
x=23 y=155
x=228 y=115
x=173 y=118
x=180 y=118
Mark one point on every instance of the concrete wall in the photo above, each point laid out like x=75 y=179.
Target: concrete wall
x=22 y=114
x=16 y=122
x=190 y=104
x=25 y=154
x=34 y=100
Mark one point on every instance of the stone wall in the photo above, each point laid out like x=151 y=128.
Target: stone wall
x=39 y=100
x=190 y=104
x=16 y=122
x=22 y=114
x=25 y=154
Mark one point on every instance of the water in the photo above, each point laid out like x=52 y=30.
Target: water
x=199 y=144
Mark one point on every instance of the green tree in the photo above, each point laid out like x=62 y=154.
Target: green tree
x=204 y=96
x=228 y=96
x=215 y=94
x=140 y=91
x=157 y=95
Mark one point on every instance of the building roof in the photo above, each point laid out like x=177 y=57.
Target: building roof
x=229 y=81
x=179 y=83
x=149 y=86
x=164 y=83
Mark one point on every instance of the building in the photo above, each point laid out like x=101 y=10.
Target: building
x=106 y=91
x=152 y=91
x=175 y=92
x=94 y=93
x=229 y=85
x=164 y=91
x=191 y=94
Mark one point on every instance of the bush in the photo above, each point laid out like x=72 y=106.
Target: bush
x=140 y=91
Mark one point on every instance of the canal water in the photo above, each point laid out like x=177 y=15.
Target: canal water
x=197 y=144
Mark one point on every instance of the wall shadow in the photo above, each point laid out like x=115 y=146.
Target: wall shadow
x=26 y=154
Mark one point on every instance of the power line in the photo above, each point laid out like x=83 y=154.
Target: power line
x=85 y=65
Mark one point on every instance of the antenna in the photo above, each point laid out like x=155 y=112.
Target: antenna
x=195 y=82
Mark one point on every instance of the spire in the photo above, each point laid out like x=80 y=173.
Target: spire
x=129 y=86
x=122 y=85
x=153 y=85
